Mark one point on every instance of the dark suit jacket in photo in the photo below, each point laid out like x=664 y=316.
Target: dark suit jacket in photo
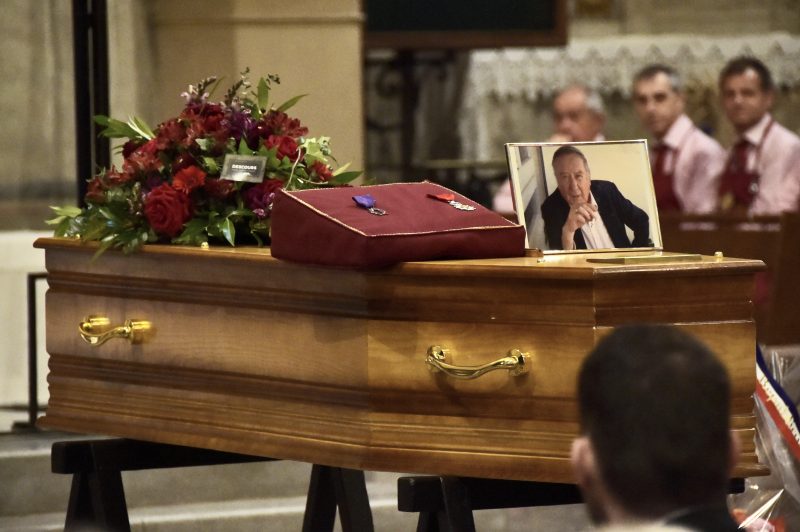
x=616 y=211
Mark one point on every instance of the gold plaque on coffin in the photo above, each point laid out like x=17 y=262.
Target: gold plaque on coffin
x=245 y=353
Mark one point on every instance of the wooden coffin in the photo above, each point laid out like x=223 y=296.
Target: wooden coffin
x=254 y=355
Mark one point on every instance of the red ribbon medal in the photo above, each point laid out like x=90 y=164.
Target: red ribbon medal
x=450 y=199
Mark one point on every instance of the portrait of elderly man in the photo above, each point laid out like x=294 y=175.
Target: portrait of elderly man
x=589 y=214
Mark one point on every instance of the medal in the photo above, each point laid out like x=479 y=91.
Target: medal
x=450 y=199
x=368 y=202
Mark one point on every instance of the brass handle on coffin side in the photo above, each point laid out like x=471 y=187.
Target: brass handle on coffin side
x=516 y=362
x=95 y=330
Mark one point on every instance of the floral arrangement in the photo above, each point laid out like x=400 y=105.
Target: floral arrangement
x=170 y=189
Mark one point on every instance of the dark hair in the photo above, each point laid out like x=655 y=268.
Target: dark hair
x=651 y=71
x=567 y=149
x=655 y=403
x=739 y=65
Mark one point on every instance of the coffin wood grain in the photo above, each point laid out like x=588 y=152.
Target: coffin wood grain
x=254 y=355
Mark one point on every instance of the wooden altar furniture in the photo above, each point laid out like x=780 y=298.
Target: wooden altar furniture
x=232 y=350
x=772 y=239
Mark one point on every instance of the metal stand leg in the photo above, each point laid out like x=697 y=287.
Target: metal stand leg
x=457 y=507
x=97 y=500
x=333 y=487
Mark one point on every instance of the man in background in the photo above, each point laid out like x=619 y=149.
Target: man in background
x=578 y=116
x=686 y=162
x=655 y=442
x=762 y=173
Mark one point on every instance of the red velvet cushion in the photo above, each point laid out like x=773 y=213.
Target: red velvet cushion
x=325 y=226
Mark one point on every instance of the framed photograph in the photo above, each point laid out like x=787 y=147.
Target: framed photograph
x=584 y=196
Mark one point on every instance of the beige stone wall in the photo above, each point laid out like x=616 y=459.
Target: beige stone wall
x=710 y=17
x=36 y=98
x=313 y=45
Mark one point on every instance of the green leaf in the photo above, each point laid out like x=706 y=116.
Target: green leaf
x=141 y=127
x=193 y=232
x=341 y=169
x=344 y=177
x=69 y=210
x=263 y=94
x=115 y=129
x=290 y=102
x=228 y=231
x=244 y=149
x=205 y=144
x=211 y=165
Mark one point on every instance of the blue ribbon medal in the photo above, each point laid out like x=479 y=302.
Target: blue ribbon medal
x=367 y=202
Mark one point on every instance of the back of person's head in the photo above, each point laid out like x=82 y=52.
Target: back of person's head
x=651 y=71
x=654 y=404
x=740 y=65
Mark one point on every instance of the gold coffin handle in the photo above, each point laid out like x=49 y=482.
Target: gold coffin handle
x=516 y=362
x=97 y=330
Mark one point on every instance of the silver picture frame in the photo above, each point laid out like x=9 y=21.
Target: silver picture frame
x=624 y=163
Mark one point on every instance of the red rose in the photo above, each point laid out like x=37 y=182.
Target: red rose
x=286 y=146
x=166 y=210
x=188 y=179
x=260 y=196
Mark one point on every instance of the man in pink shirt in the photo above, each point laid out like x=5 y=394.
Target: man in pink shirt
x=762 y=173
x=686 y=162
x=578 y=116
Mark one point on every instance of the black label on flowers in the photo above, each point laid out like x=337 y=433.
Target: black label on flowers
x=248 y=168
